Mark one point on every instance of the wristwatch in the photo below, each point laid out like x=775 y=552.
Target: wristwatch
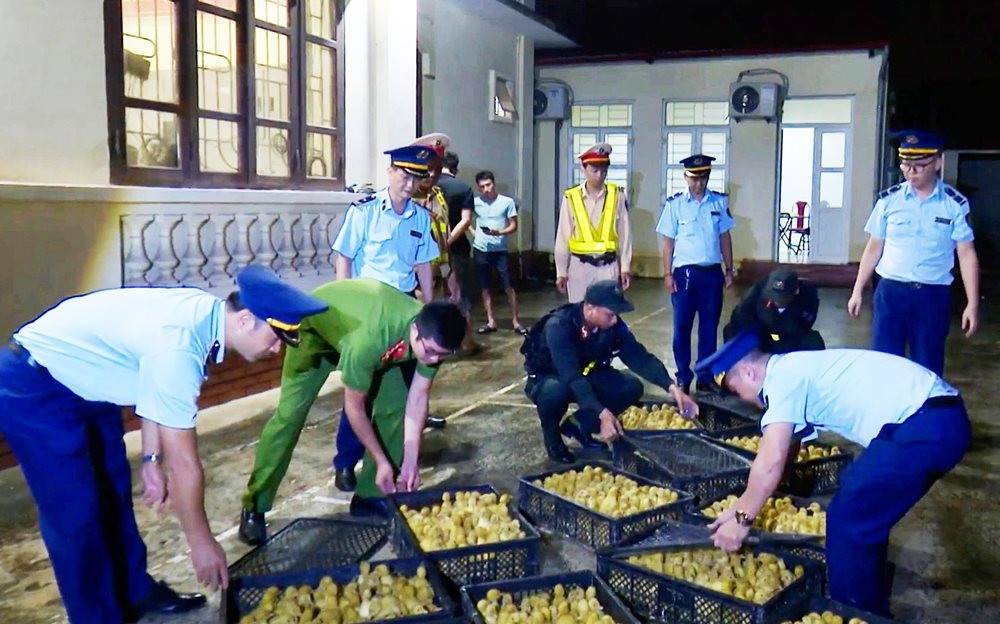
x=743 y=519
x=152 y=458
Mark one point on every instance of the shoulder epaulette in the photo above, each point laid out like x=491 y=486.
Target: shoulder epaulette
x=364 y=200
x=675 y=195
x=721 y=193
x=889 y=191
x=954 y=194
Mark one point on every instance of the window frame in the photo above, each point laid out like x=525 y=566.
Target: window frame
x=600 y=131
x=188 y=173
x=696 y=144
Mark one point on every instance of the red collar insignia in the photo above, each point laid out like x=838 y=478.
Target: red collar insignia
x=396 y=352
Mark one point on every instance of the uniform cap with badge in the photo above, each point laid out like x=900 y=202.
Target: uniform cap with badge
x=735 y=349
x=598 y=154
x=276 y=302
x=781 y=286
x=697 y=165
x=437 y=141
x=917 y=144
x=413 y=159
x=608 y=294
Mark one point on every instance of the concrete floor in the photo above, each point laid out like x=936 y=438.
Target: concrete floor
x=945 y=550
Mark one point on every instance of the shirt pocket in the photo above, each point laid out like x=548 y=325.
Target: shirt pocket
x=399 y=243
x=938 y=229
x=900 y=225
x=687 y=227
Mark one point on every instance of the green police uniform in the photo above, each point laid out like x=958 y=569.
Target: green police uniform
x=364 y=334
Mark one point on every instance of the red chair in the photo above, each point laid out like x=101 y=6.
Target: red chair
x=801 y=228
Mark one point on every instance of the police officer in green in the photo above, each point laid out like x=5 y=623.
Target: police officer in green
x=387 y=346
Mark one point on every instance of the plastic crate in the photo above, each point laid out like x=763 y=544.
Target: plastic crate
x=468 y=564
x=311 y=544
x=244 y=593
x=644 y=432
x=549 y=510
x=819 y=605
x=814 y=551
x=663 y=598
x=520 y=588
x=695 y=513
x=685 y=461
x=813 y=477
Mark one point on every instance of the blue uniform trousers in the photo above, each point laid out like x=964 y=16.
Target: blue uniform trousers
x=616 y=390
x=699 y=291
x=914 y=315
x=73 y=459
x=879 y=488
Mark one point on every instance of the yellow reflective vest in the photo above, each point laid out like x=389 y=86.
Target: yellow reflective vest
x=439 y=222
x=587 y=239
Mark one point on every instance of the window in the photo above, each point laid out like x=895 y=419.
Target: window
x=694 y=128
x=502 y=107
x=225 y=93
x=597 y=123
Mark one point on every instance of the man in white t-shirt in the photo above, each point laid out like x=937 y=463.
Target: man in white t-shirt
x=496 y=217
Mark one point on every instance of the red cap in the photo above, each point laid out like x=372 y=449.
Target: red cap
x=599 y=154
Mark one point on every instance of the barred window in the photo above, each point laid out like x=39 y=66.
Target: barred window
x=225 y=93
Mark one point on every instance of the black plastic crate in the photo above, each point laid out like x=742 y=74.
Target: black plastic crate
x=521 y=588
x=644 y=432
x=685 y=461
x=813 y=477
x=695 y=513
x=814 y=551
x=469 y=564
x=661 y=598
x=244 y=593
x=567 y=517
x=311 y=544
x=819 y=605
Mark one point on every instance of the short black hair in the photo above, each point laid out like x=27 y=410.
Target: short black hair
x=485 y=174
x=450 y=161
x=442 y=322
x=234 y=302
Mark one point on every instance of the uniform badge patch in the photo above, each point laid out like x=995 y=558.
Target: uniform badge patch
x=416 y=234
x=396 y=352
x=942 y=220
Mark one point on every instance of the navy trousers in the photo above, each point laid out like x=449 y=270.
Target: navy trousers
x=73 y=458
x=699 y=292
x=912 y=315
x=616 y=390
x=878 y=489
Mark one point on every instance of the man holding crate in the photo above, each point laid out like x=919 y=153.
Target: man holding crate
x=913 y=425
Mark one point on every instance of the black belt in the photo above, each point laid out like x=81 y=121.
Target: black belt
x=915 y=284
x=18 y=349
x=701 y=267
x=943 y=400
x=599 y=260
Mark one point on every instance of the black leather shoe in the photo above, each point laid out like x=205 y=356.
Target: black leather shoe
x=162 y=599
x=365 y=507
x=435 y=422
x=563 y=455
x=344 y=480
x=253 y=528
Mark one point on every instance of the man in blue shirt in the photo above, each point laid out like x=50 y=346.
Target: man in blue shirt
x=915 y=230
x=496 y=218
x=568 y=355
x=63 y=378
x=914 y=426
x=697 y=263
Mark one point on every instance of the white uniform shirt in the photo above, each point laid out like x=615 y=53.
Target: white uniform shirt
x=851 y=392
x=145 y=347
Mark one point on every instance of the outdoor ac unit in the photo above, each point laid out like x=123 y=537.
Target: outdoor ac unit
x=551 y=101
x=754 y=100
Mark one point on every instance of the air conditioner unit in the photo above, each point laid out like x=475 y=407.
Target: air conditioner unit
x=551 y=101
x=755 y=100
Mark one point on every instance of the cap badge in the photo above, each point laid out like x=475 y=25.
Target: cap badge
x=395 y=352
x=600 y=150
x=778 y=285
x=423 y=154
x=911 y=139
x=699 y=161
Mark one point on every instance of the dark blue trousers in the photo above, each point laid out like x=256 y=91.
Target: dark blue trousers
x=912 y=315
x=616 y=390
x=878 y=489
x=699 y=292
x=73 y=458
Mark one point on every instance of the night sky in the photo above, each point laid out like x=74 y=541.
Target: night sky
x=944 y=59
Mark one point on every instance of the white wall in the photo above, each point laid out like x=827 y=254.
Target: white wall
x=53 y=105
x=753 y=143
x=460 y=49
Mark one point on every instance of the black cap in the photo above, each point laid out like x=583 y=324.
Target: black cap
x=608 y=294
x=781 y=285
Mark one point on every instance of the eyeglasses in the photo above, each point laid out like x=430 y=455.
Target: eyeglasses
x=434 y=353
x=915 y=167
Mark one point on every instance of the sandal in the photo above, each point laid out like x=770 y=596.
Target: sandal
x=521 y=329
x=486 y=329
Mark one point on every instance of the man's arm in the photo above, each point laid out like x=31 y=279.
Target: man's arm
x=765 y=474
x=639 y=360
x=343 y=266
x=354 y=407
x=968 y=266
x=866 y=268
x=668 y=265
x=623 y=225
x=154 y=482
x=461 y=227
x=560 y=251
x=726 y=249
x=425 y=277
x=510 y=228
x=187 y=496
x=560 y=340
x=413 y=426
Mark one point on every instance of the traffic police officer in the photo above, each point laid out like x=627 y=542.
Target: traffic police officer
x=783 y=308
x=377 y=337
x=388 y=237
x=695 y=228
x=63 y=378
x=594 y=235
x=568 y=355
x=431 y=197
x=914 y=426
x=915 y=230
